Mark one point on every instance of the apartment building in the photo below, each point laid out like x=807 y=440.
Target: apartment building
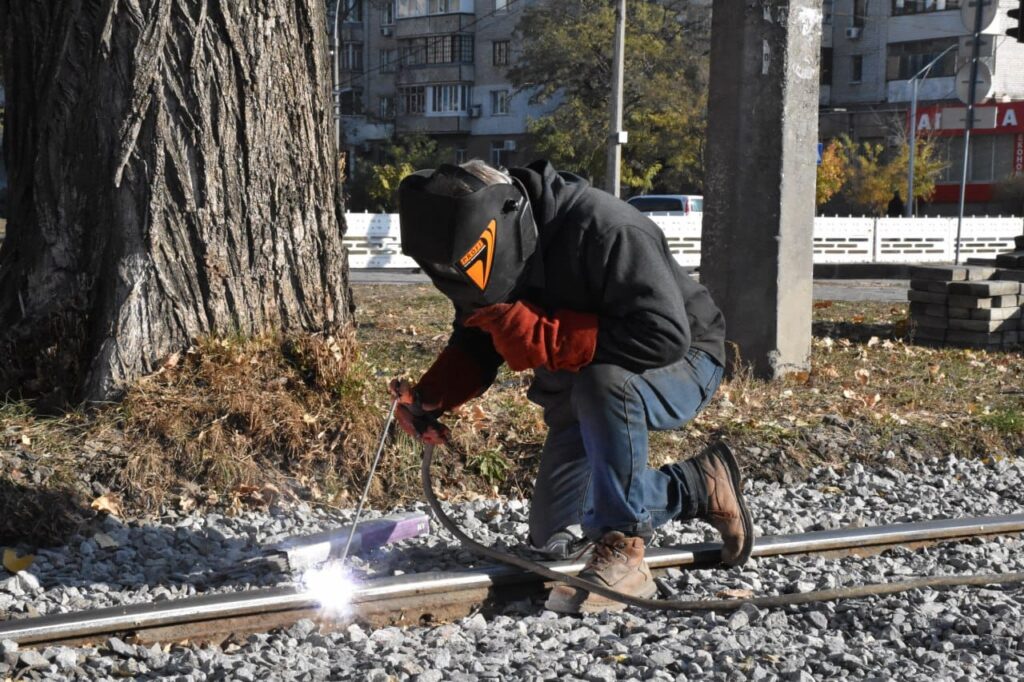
x=437 y=67
x=871 y=50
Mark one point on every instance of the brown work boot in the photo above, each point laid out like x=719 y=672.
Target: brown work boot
x=618 y=564
x=726 y=510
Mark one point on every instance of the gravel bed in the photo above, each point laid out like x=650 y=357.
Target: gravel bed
x=961 y=634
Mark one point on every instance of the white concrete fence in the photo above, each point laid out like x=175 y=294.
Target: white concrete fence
x=373 y=239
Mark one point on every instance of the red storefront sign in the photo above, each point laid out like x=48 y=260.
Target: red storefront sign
x=1009 y=119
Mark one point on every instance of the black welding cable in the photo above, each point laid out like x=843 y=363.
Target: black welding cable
x=854 y=592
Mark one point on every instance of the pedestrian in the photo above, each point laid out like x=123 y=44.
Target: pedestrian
x=896 y=205
x=549 y=274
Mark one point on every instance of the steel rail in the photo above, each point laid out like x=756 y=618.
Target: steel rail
x=396 y=592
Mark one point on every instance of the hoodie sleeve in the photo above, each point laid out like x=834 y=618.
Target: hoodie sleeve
x=642 y=315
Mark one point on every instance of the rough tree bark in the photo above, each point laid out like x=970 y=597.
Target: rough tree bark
x=172 y=174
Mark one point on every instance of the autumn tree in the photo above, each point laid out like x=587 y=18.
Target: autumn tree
x=566 y=64
x=374 y=186
x=832 y=172
x=172 y=174
x=865 y=175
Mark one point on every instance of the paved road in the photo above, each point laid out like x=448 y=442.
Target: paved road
x=826 y=289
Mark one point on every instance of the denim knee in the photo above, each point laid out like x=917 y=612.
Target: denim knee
x=598 y=385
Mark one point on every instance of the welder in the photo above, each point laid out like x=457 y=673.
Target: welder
x=549 y=274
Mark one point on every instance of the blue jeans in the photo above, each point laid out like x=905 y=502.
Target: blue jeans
x=594 y=468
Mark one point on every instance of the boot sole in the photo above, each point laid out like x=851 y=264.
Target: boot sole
x=725 y=454
x=584 y=604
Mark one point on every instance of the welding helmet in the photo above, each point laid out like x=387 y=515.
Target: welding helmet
x=474 y=247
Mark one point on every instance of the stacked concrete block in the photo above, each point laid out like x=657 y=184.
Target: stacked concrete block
x=1013 y=259
x=967 y=305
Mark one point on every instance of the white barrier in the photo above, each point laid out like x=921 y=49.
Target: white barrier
x=373 y=240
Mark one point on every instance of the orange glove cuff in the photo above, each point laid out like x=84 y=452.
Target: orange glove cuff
x=527 y=338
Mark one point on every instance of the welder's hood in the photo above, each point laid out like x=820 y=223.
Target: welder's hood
x=473 y=247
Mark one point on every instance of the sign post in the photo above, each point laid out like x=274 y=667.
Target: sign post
x=977 y=15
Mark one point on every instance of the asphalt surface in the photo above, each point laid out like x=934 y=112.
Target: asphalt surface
x=831 y=289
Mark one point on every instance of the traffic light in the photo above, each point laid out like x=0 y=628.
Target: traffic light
x=1018 y=30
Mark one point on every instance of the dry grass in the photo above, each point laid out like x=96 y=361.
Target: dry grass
x=233 y=413
x=237 y=421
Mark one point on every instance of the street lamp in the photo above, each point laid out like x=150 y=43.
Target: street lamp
x=336 y=78
x=923 y=73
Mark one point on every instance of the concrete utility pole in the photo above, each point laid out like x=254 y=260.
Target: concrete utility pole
x=617 y=136
x=756 y=249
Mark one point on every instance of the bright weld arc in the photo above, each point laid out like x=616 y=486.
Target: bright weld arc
x=332 y=586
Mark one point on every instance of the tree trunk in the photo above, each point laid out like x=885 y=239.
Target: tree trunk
x=172 y=174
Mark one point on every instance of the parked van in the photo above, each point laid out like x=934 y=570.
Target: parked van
x=668 y=204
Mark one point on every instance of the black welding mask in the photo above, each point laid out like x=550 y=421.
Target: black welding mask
x=474 y=247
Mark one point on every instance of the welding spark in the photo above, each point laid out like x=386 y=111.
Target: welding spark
x=332 y=586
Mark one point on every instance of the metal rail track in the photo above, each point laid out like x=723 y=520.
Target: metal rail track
x=440 y=595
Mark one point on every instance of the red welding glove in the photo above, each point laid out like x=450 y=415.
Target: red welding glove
x=527 y=338
x=454 y=378
x=417 y=419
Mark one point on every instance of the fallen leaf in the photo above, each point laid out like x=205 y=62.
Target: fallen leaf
x=14 y=563
x=832 y=490
x=734 y=593
x=850 y=395
x=25 y=440
x=477 y=414
x=873 y=400
x=308 y=419
x=822 y=304
x=172 y=360
x=873 y=341
x=862 y=376
x=857 y=319
x=107 y=504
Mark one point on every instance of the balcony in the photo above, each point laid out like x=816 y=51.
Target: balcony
x=929 y=89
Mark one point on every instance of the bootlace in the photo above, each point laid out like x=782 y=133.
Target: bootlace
x=603 y=555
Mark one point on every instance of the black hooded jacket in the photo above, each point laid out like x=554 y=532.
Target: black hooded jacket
x=599 y=255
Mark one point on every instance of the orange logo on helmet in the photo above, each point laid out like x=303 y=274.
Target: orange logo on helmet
x=478 y=260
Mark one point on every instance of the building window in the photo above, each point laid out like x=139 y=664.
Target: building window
x=422 y=8
x=449 y=99
x=500 y=6
x=448 y=49
x=500 y=53
x=921 y=6
x=856 y=68
x=501 y=155
x=460 y=155
x=351 y=10
x=412 y=100
x=387 y=107
x=352 y=57
x=906 y=59
x=860 y=12
x=350 y=102
x=991 y=158
x=826 y=66
x=387 y=13
x=500 y=100
x=388 y=60
x=826 y=12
